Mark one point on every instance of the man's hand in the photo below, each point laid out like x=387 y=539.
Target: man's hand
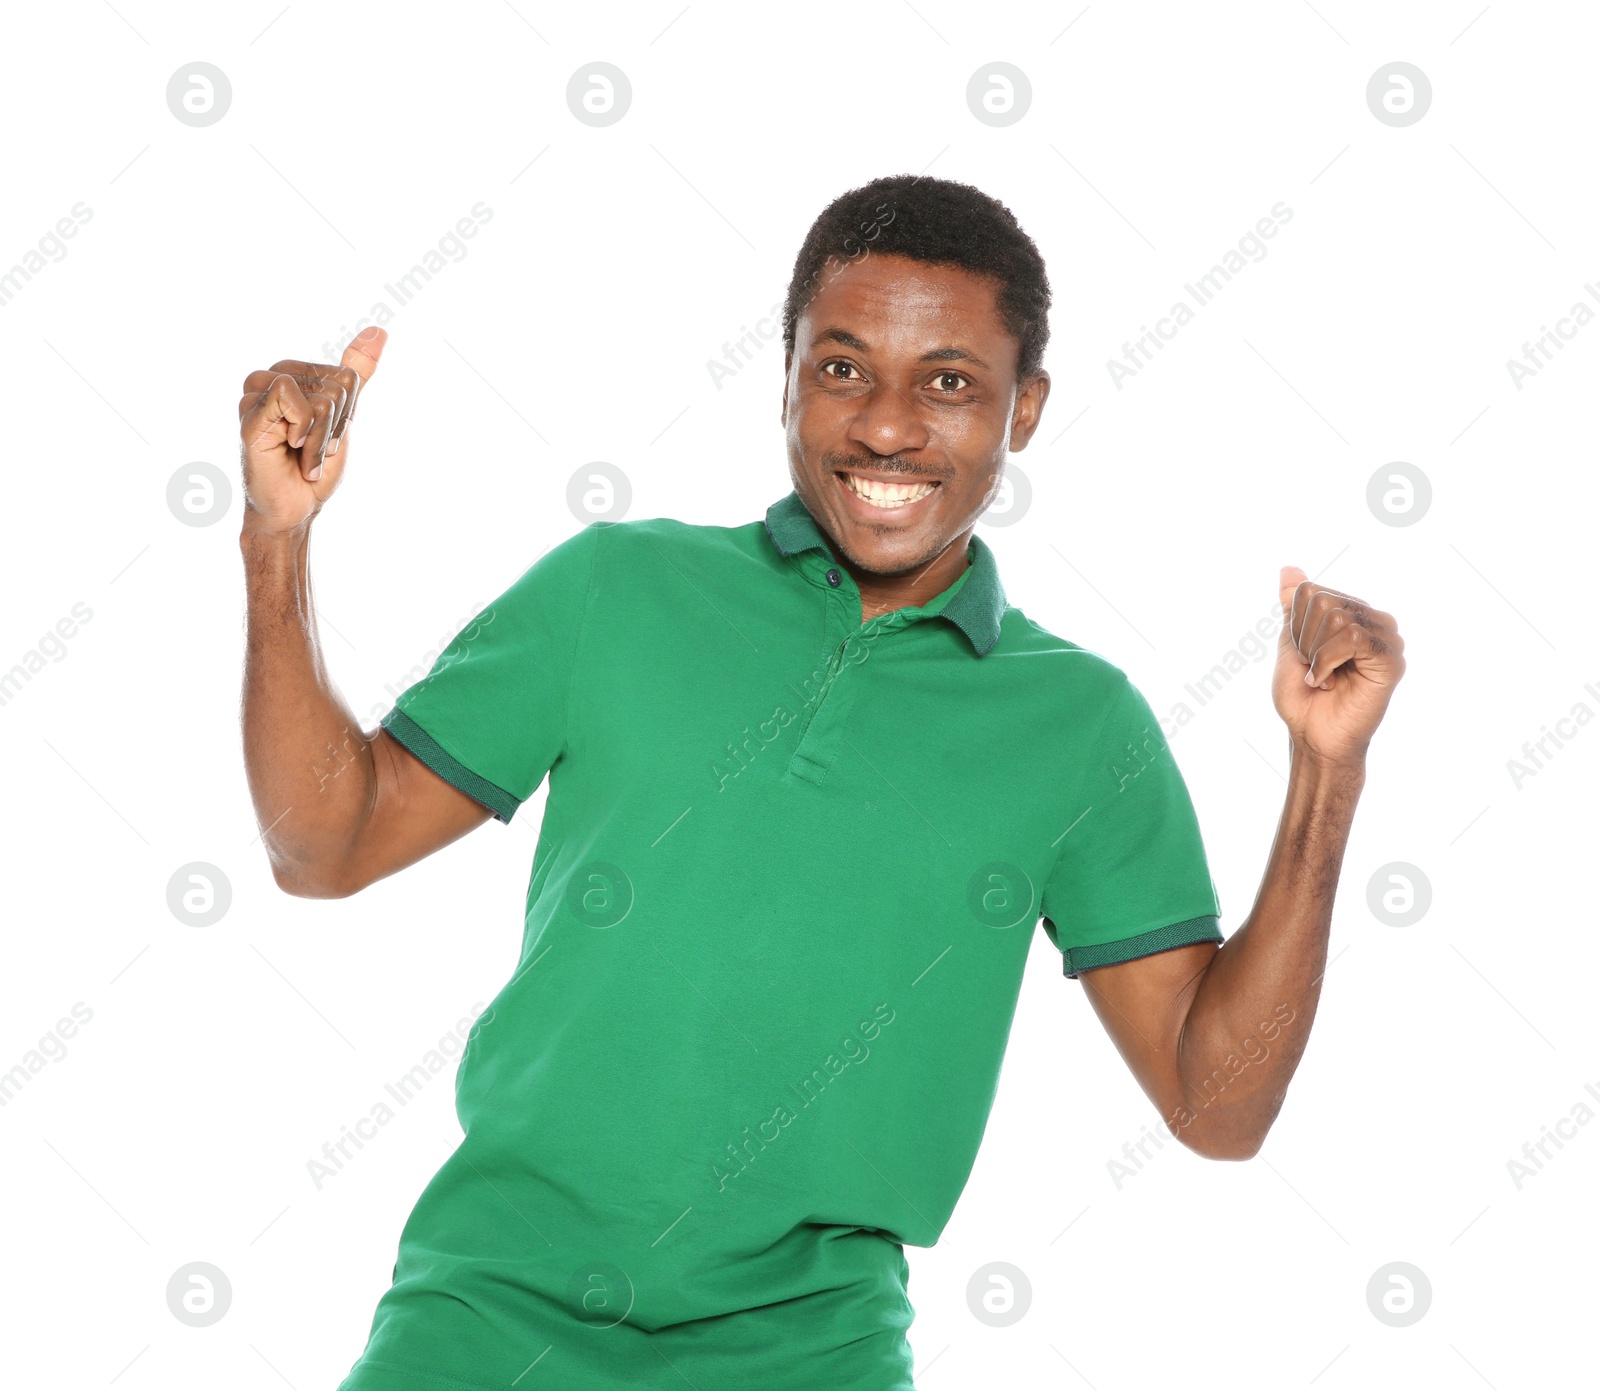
x=1338 y=662
x=293 y=421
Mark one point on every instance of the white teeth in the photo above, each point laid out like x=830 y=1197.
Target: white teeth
x=887 y=495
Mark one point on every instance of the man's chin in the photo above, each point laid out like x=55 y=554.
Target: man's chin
x=902 y=553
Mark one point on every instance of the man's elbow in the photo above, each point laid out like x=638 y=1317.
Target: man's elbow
x=303 y=881
x=1235 y=1132
x=1235 y=1151
x=1237 y=1145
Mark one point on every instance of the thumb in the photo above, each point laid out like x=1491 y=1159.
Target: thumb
x=1290 y=577
x=363 y=352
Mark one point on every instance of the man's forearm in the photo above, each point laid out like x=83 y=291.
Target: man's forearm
x=1251 y=1014
x=309 y=765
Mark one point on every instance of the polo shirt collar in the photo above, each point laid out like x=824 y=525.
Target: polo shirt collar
x=976 y=607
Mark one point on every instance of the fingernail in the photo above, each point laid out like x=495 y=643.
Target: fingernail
x=315 y=473
x=1311 y=677
x=367 y=332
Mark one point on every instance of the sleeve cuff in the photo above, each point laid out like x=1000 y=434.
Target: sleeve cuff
x=418 y=741
x=1191 y=930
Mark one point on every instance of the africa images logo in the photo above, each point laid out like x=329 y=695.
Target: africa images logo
x=737 y=1157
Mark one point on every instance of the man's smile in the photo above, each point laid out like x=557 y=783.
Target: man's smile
x=874 y=493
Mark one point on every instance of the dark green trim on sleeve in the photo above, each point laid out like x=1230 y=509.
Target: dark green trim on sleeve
x=415 y=738
x=1202 y=929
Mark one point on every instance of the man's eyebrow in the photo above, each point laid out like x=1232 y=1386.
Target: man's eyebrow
x=951 y=353
x=843 y=337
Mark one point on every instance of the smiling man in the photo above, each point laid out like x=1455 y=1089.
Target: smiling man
x=812 y=783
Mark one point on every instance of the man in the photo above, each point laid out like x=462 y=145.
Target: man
x=812 y=781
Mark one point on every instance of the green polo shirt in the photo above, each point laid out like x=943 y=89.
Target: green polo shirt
x=775 y=929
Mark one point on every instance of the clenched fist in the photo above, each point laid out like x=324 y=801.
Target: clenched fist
x=294 y=421
x=1339 y=660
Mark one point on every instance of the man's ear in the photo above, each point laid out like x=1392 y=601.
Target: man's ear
x=783 y=413
x=1029 y=409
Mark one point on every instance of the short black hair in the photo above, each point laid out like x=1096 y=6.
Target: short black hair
x=940 y=222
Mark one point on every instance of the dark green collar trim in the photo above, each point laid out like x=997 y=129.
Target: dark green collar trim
x=976 y=607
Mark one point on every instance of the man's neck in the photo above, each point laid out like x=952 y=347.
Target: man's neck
x=882 y=594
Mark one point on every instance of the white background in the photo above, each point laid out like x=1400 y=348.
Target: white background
x=179 y=1123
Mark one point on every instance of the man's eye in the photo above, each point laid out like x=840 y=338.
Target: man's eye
x=947 y=383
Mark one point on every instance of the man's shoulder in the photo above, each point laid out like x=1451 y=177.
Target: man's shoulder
x=653 y=540
x=1084 y=694
x=1083 y=671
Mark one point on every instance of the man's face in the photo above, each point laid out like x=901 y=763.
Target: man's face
x=902 y=384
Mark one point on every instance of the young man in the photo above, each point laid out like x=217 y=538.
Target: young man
x=806 y=804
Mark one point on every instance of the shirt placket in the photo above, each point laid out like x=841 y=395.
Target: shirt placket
x=835 y=683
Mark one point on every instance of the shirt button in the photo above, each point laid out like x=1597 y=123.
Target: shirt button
x=834 y=577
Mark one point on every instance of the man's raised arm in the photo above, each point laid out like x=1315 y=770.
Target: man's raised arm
x=338 y=809
x=1214 y=1034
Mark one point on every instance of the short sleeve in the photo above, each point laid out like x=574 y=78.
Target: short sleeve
x=490 y=717
x=1131 y=876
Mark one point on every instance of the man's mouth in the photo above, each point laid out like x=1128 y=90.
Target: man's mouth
x=886 y=496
